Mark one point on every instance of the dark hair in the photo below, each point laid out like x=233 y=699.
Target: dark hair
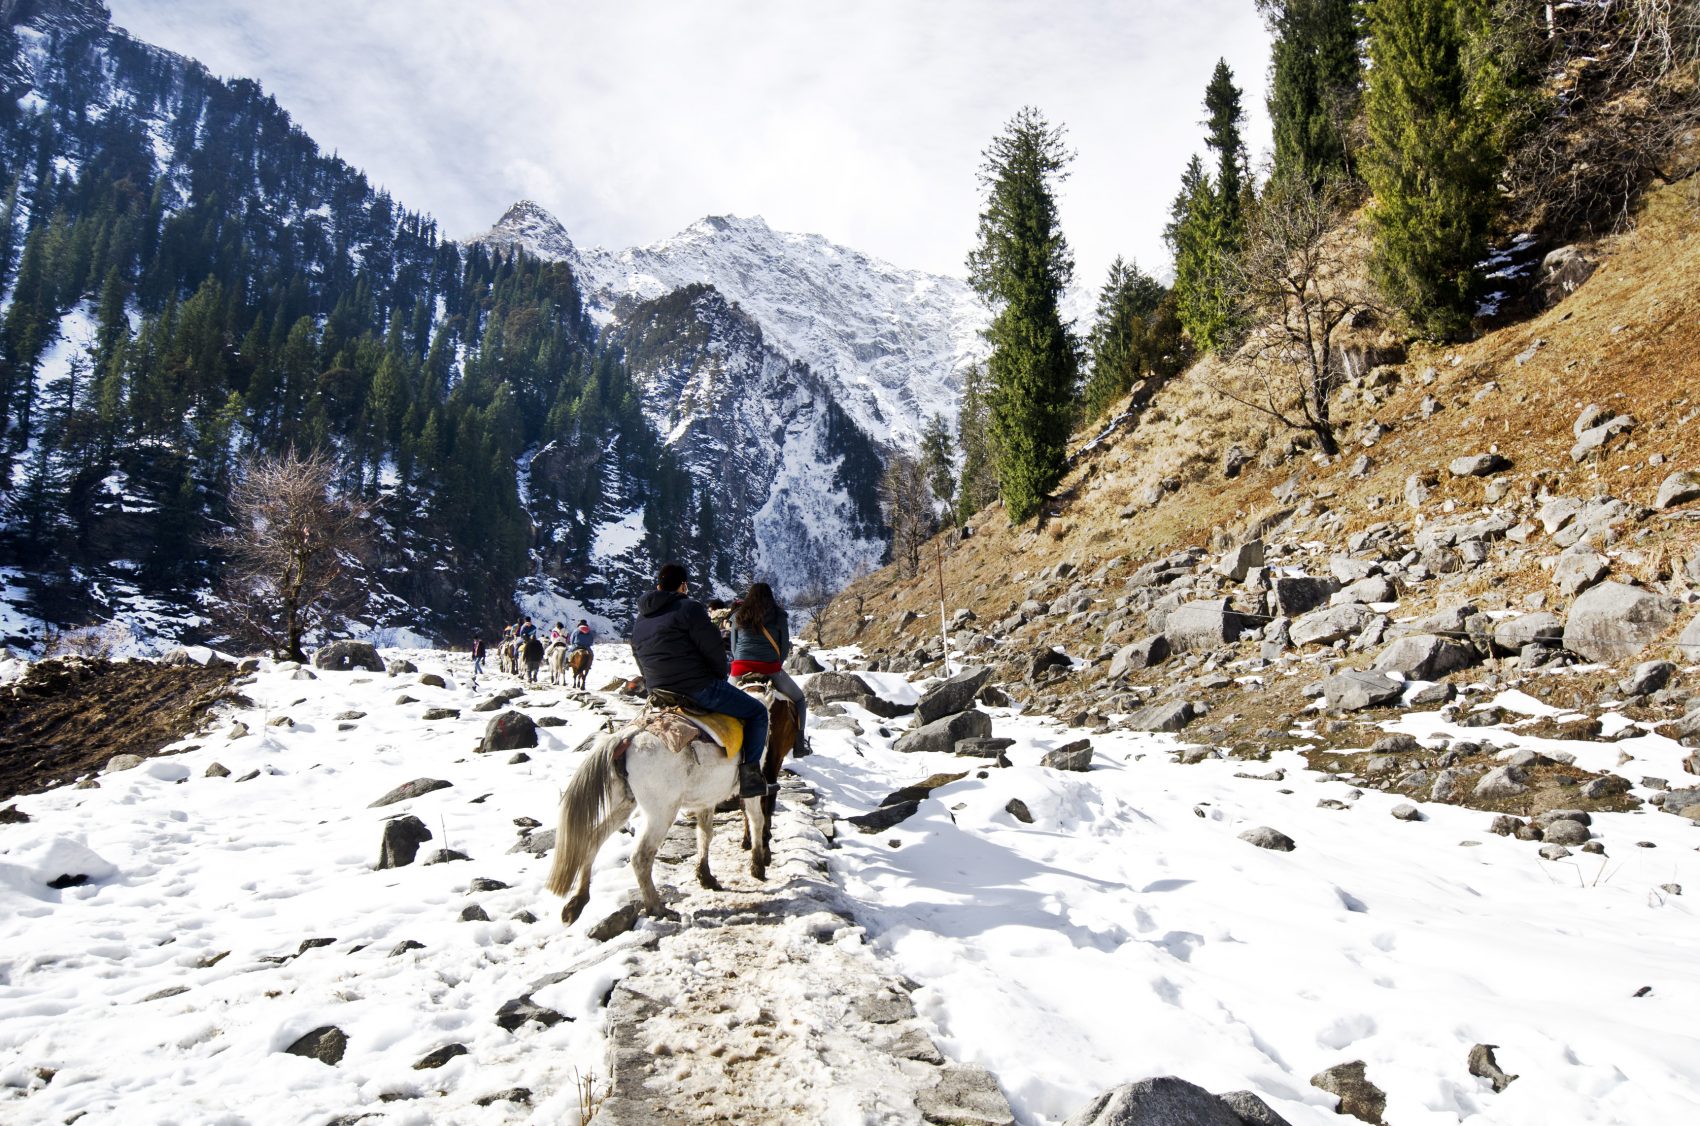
x=672 y=576
x=757 y=607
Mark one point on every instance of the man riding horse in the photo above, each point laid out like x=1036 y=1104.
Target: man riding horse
x=678 y=650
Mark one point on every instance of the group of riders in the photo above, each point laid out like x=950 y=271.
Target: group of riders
x=524 y=646
x=686 y=651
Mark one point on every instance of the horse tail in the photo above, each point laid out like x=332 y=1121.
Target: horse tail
x=593 y=796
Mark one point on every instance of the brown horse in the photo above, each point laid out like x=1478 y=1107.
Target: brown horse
x=781 y=735
x=579 y=661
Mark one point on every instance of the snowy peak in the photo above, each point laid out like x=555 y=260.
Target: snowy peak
x=891 y=343
x=533 y=229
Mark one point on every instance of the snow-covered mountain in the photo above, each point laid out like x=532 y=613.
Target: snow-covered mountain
x=890 y=344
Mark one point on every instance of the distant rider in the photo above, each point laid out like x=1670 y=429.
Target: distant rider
x=761 y=640
x=678 y=650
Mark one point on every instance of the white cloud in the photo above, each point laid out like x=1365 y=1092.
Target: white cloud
x=863 y=122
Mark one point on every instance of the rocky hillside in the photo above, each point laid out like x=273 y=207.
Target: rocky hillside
x=1519 y=512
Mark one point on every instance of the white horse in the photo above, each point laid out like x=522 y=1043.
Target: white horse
x=661 y=781
x=557 y=657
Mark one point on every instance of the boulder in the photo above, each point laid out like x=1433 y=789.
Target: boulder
x=1241 y=561
x=1562 y=271
x=1565 y=833
x=1205 y=624
x=1076 y=756
x=964 y=1094
x=1679 y=488
x=802 y=663
x=1425 y=656
x=402 y=838
x=942 y=734
x=1337 y=623
x=327 y=1045
x=1593 y=439
x=1164 y=1101
x=1501 y=782
x=1142 y=654
x=826 y=687
x=1478 y=465
x=1378 y=588
x=1484 y=1066
x=1264 y=837
x=1576 y=571
x=346 y=655
x=413 y=789
x=1299 y=594
x=1172 y=716
x=1359 y=1097
x=1512 y=634
x=951 y=696
x=1688 y=644
x=1045 y=659
x=508 y=732
x=1646 y=678
x=1614 y=622
x=1353 y=690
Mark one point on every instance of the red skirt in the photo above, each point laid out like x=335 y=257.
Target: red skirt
x=765 y=668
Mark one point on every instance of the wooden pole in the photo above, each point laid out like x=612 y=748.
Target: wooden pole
x=944 y=624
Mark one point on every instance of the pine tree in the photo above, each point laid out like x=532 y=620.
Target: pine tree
x=938 y=455
x=1123 y=336
x=1207 y=224
x=1315 y=84
x=1225 y=117
x=977 y=486
x=1020 y=267
x=1432 y=160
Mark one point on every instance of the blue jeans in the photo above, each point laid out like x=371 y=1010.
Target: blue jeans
x=723 y=698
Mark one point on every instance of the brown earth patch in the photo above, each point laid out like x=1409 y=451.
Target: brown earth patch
x=67 y=718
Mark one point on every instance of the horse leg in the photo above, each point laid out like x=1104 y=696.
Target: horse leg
x=705 y=834
x=759 y=855
x=656 y=822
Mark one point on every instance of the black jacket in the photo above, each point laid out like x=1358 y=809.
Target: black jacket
x=676 y=646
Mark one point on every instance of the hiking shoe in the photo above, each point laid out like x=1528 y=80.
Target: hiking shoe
x=751 y=784
x=802 y=749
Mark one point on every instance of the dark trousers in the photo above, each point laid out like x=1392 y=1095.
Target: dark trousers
x=723 y=698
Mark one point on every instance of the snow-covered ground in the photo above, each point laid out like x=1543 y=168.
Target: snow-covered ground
x=1125 y=932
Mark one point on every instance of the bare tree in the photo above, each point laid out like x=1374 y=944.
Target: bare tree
x=1300 y=291
x=293 y=541
x=909 y=509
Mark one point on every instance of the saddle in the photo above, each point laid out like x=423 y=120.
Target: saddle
x=723 y=730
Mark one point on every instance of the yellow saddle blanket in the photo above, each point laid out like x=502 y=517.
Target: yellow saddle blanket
x=679 y=729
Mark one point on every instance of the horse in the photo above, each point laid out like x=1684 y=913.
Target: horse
x=781 y=736
x=507 y=656
x=579 y=661
x=659 y=780
x=557 y=655
x=532 y=654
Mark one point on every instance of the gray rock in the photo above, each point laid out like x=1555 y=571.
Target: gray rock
x=1562 y=272
x=1512 y=634
x=1502 y=782
x=326 y=1044
x=1478 y=465
x=1017 y=809
x=402 y=838
x=1171 y=716
x=411 y=789
x=1448 y=787
x=1688 y=644
x=537 y=844
x=1613 y=622
x=432 y=680
x=1576 y=571
x=965 y=1096
x=1324 y=627
x=1353 y=690
x=979 y=747
x=951 y=696
x=218 y=770
x=1264 y=837
x=1425 y=656
x=1679 y=488
x=802 y=663
x=1566 y=833
x=1594 y=439
x=1405 y=811
x=942 y=735
x=1359 y=1097
x=1646 y=678
x=827 y=687
x=508 y=732
x=1142 y=654
x=1553 y=851
x=1075 y=756
x=346 y=655
x=1165 y=1101
x=1417 y=487
x=440 y=713
x=617 y=923
x=887 y=815
x=439 y=1057
x=1205 y=624
x=1483 y=1065
x=1292 y=596
x=521 y=1010
x=1251 y=1108
x=1378 y=588
x=1240 y=561
x=122 y=762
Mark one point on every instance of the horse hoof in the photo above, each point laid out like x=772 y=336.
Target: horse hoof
x=710 y=883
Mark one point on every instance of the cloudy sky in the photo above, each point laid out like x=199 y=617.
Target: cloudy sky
x=862 y=120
